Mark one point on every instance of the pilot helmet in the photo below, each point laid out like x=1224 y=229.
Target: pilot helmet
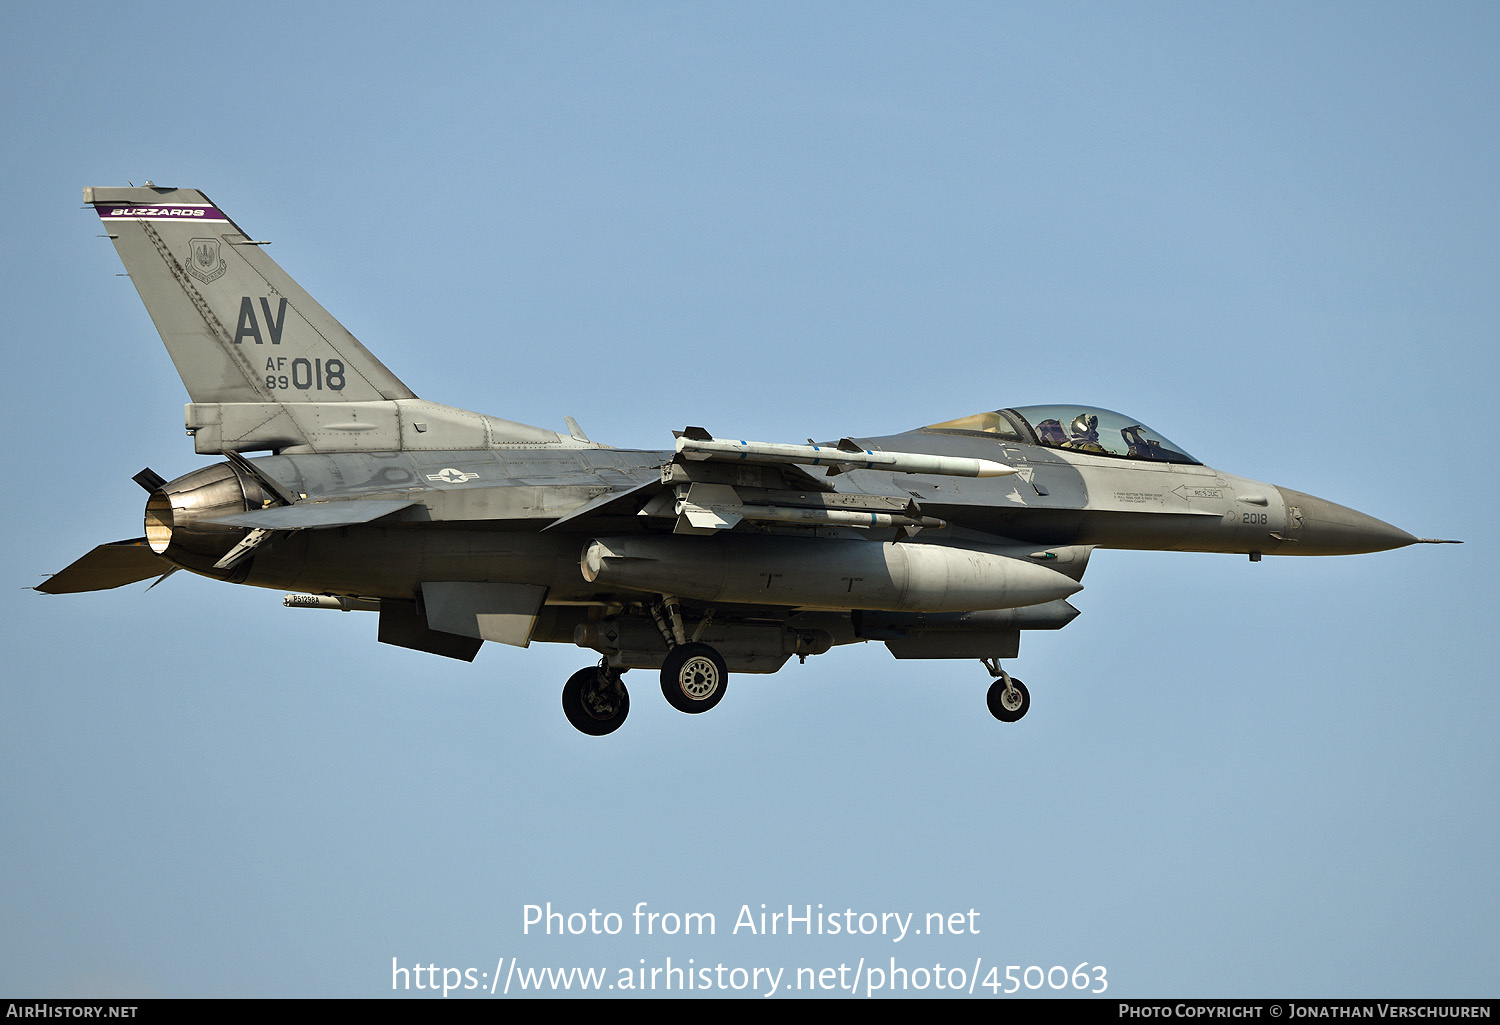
x=1084 y=423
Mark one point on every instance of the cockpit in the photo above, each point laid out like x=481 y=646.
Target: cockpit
x=1076 y=428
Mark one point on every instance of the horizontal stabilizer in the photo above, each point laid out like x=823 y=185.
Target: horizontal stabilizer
x=113 y=565
x=312 y=515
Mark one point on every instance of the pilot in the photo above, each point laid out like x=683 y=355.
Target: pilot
x=1050 y=432
x=1085 y=434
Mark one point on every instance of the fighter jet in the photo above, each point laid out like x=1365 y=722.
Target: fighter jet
x=716 y=556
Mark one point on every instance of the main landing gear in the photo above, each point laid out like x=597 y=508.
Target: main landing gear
x=693 y=680
x=1008 y=697
x=694 y=677
x=595 y=700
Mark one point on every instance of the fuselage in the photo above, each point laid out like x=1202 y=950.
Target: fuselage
x=481 y=515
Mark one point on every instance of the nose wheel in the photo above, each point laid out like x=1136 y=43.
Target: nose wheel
x=595 y=700
x=1008 y=697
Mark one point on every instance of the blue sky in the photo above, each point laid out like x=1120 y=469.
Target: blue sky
x=1269 y=231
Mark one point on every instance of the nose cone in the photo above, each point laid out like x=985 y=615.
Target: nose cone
x=1320 y=527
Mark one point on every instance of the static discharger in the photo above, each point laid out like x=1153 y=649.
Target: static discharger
x=697 y=444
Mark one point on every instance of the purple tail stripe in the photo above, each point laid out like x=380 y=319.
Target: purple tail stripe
x=161 y=212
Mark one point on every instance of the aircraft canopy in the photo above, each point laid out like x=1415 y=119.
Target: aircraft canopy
x=1078 y=428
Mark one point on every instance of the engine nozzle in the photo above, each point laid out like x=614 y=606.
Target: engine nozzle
x=179 y=515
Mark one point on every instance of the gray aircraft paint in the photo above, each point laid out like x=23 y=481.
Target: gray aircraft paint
x=461 y=527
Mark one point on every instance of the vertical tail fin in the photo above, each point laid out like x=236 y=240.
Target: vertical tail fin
x=238 y=328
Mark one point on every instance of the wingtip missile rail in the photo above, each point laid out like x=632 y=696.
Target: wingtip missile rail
x=697 y=444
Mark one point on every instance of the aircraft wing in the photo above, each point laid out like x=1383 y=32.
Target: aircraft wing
x=653 y=498
x=113 y=565
x=697 y=445
x=614 y=503
x=716 y=486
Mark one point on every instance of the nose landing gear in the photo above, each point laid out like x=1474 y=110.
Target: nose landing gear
x=1008 y=697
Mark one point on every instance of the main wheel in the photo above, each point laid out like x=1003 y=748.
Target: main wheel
x=1008 y=705
x=694 y=677
x=595 y=702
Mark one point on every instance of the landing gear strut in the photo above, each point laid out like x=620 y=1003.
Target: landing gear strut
x=1008 y=697
x=694 y=676
x=595 y=700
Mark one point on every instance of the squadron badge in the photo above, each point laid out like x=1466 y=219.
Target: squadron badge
x=204 y=261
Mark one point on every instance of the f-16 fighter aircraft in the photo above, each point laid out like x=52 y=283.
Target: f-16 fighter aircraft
x=714 y=557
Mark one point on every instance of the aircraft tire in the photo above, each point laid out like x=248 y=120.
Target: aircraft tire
x=1008 y=711
x=594 y=707
x=694 y=677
